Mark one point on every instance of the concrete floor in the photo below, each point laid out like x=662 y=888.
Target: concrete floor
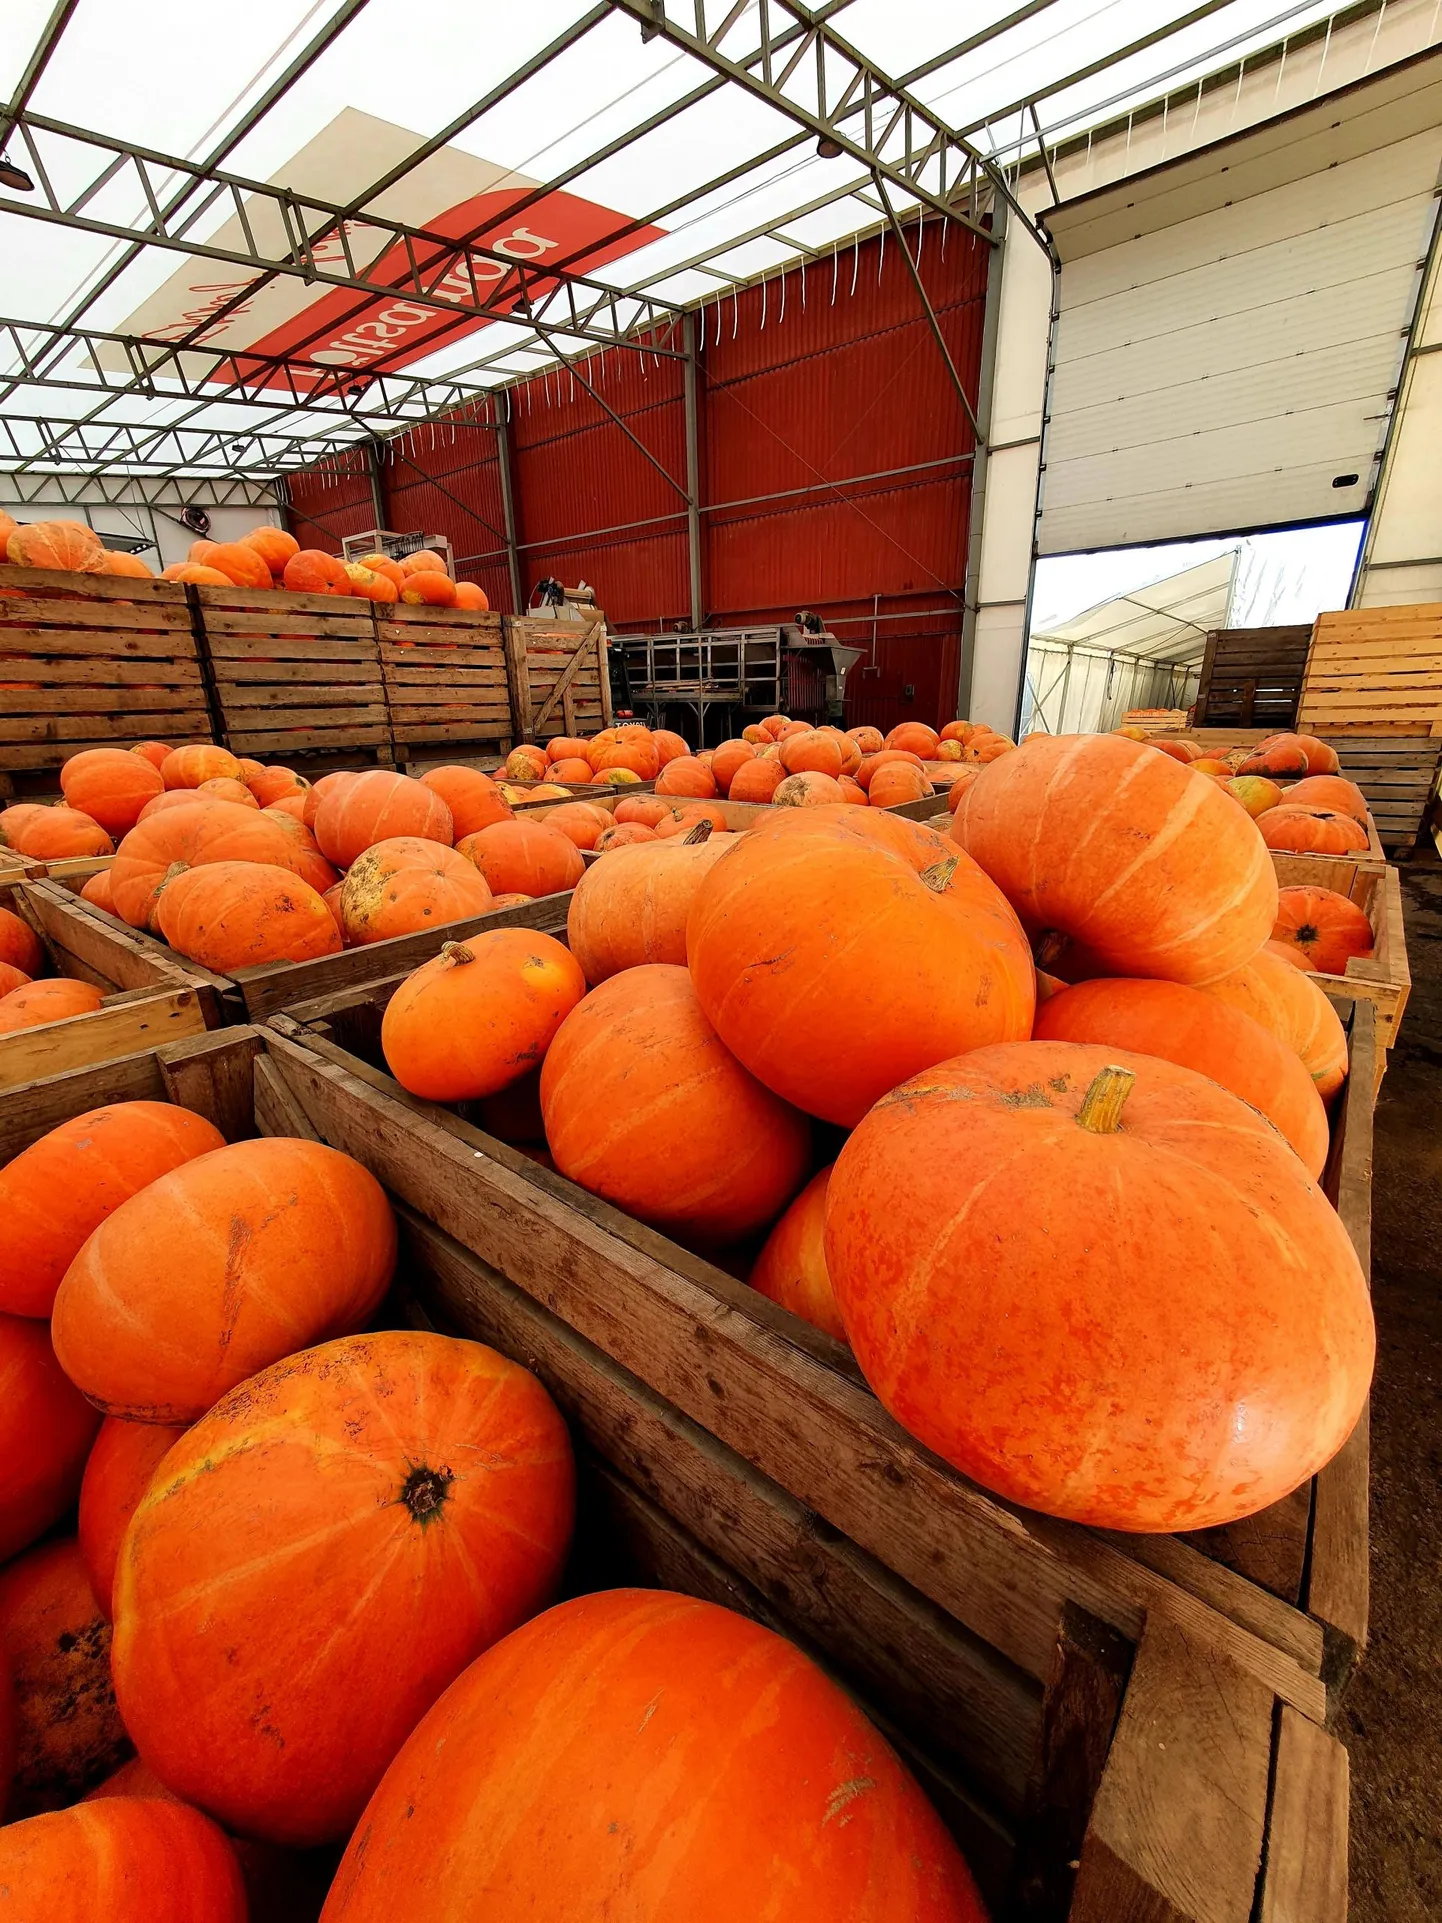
x=1391 y=1719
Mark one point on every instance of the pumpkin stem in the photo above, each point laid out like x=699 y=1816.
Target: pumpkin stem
x=1101 y=1109
x=938 y=877
x=456 y=952
x=424 y=1493
x=1049 y=947
x=695 y=836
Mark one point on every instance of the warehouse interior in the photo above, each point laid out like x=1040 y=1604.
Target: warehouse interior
x=1008 y=356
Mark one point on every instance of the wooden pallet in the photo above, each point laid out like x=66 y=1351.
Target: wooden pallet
x=149 y=998
x=560 y=677
x=294 y=674
x=446 y=678
x=91 y=661
x=1295 y=1576
x=1375 y=671
x=1153 y=1769
x=1252 y=677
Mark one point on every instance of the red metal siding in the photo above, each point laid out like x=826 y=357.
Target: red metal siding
x=331 y=501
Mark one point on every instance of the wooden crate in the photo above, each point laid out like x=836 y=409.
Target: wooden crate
x=1384 y=977
x=1151 y=1769
x=1296 y=1576
x=1375 y=671
x=560 y=676
x=148 y=998
x=1252 y=677
x=294 y=674
x=446 y=679
x=91 y=661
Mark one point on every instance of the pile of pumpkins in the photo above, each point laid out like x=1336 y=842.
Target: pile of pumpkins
x=1291 y=784
x=958 y=1098
x=275 y=1622
x=267 y=557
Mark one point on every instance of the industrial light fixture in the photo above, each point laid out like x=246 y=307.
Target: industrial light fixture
x=13 y=176
x=828 y=149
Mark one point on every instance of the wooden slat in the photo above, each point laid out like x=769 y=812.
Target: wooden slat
x=100 y=639
x=215 y=1082
x=233 y=674
x=299 y=740
x=357 y=697
x=289 y=647
x=169 y=621
x=83 y=730
x=86 y=701
x=1306 y=1873
x=441 y=661
x=120 y=1027
x=101 y=673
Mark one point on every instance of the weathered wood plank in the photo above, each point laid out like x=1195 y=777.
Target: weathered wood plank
x=33 y=1108
x=66 y=701
x=117 y=1028
x=214 y=1080
x=1306 y=1875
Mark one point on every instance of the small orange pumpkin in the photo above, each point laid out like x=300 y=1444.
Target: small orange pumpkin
x=378 y=805
x=524 y=857
x=19 y=944
x=471 y=597
x=224 y=789
x=400 y=886
x=50 y=1001
x=1311 y=831
x=1320 y=925
x=130 y=1859
x=187 y=767
x=428 y=588
x=240 y=914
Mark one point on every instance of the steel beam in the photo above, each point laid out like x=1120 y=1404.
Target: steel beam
x=976 y=506
x=693 y=473
x=80 y=489
x=505 y=453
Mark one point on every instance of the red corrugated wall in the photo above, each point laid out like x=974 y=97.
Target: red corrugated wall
x=810 y=385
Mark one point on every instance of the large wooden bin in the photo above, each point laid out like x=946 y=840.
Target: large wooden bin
x=1098 y=1757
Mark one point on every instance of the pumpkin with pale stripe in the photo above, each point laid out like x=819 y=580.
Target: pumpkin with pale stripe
x=1289 y=1004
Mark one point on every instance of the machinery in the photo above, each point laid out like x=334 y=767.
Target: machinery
x=718 y=679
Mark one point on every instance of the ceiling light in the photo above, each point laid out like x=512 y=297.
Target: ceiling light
x=13 y=176
x=828 y=149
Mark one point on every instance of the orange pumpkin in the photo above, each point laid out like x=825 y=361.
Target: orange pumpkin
x=579 y=821
x=645 y=1106
x=424 y=560
x=913 y=737
x=241 y=914
x=964 y=777
x=269 y=1244
x=481 y=1015
x=378 y=806
x=896 y=784
x=406 y=884
x=97 y=892
x=669 y=745
x=274 y=546
x=635 y=754
x=452 y=1461
x=1097 y=838
x=332 y=899
x=1074 y=1372
x=19 y=944
x=682 y=820
x=807 y=791
x=985 y=747
x=812 y=751
x=129 y=567
x=574 y=774
x=313 y=571
x=1321 y=758
x=791 y=1268
x=224 y=789
x=1283 y=758
x=948 y=750
x=618 y=778
x=305 y=858
x=241 y=564
x=900 y=954
x=871 y=741
x=367 y=585
x=596 y=1705
x=852 y=791
x=1291 y=1006
x=8 y=525
x=293 y=805
x=1184 y=751
x=632 y=909
x=428 y=588
x=68 y=1732
x=526 y=763
x=178 y=838
x=1312 y=831
x=117 y=1474
x=197 y=574
x=563 y=747
x=57 y=1192
x=60 y=834
x=46 y=1429
x=525 y=858
x=128 y=1859
x=12 y=978
x=958 y=731
x=173 y=798
x=52 y=1001
x=66 y=546
x=272 y=784
x=382 y=564
x=684 y=775
x=319 y=789
x=727 y=762
x=884 y=757
x=471 y=597
x=756 y=781
x=642 y=810
x=1328 y=791
x=152 y=751
x=13 y=820
x=1256 y=793
x=201 y=551
x=473 y=798
x=1195 y=1030
x=624 y=834
x=187 y=767
x=1319 y=925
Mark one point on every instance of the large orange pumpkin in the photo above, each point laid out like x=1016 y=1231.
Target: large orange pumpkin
x=152 y=751
x=580 y=821
x=13 y=820
x=270 y=785
x=728 y=761
x=313 y=571
x=635 y=752
x=791 y=1268
x=241 y=914
x=383 y=1507
x=624 y=834
x=871 y=741
x=1322 y=926
x=428 y=588
x=633 y=907
x=218 y=1269
x=306 y=859
x=110 y=785
x=224 y=789
x=897 y=783
x=187 y=767
x=1312 y=831
x=241 y=564
x=378 y=806
x=400 y=886
x=367 y=585
x=481 y=1015
x=572 y=774
x=162 y=847
x=318 y=791
x=67 y=546
x=1291 y=1006
x=473 y=798
x=898 y=952
x=810 y=790
x=645 y=1106
x=756 y=781
x=1101 y=840
x=884 y=757
x=685 y=775
x=50 y=1001
x=60 y=834
x=274 y=546
x=126 y=1859
x=1334 y=792
x=68 y=1732
x=58 y=1191
x=618 y=1713
x=19 y=944
x=992 y=1235
x=1257 y=793
x=984 y=747
x=178 y=798
x=1283 y=758
x=472 y=597
x=524 y=858
x=1195 y=1030
x=125 y=1457
x=810 y=752
x=913 y=737
x=46 y=1429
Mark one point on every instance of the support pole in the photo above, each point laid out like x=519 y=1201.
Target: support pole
x=976 y=518
x=693 y=472
x=508 y=503
x=378 y=486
